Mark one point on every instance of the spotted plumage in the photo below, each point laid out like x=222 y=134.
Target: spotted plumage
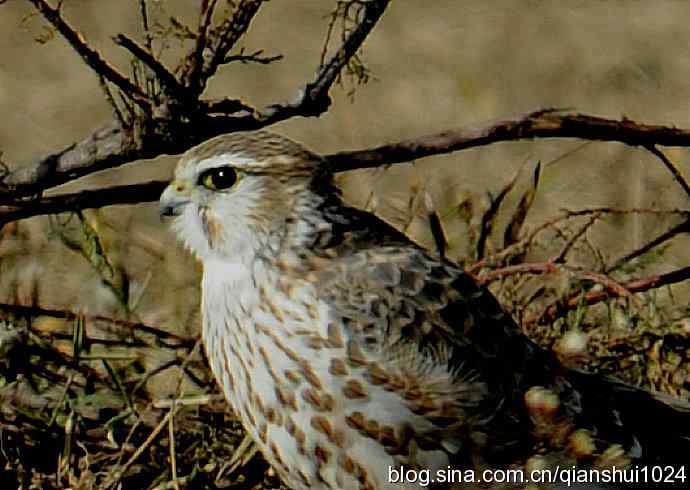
x=346 y=349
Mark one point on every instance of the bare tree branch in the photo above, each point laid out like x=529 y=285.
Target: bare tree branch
x=653 y=281
x=119 y=115
x=226 y=106
x=313 y=100
x=195 y=60
x=120 y=194
x=316 y=93
x=683 y=227
x=34 y=311
x=677 y=175
x=166 y=78
x=546 y=267
x=546 y=123
x=255 y=57
x=562 y=254
x=503 y=255
x=107 y=148
x=90 y=56
x=219 y=41
x=181 y=120
x=144 y=11
x=612 y=286
x=175 y=117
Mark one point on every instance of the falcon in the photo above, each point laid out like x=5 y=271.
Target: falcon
x=350 y=353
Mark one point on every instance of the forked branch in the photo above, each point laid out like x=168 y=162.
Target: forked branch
x=90 y=56
x=179 y=118
x=539 y=124
x=642 y=284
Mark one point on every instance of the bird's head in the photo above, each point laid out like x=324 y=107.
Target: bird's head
x=238 y=195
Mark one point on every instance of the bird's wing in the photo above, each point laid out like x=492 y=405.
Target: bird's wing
x=394 y=296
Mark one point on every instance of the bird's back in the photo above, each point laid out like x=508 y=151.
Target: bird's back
x=349 y=352
x=410 y=301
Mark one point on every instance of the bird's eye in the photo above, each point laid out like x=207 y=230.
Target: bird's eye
x=218 y=178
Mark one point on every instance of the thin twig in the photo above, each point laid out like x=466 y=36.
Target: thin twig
x=314 y=100
x=111 y=100
x=546 y=267
x=613 y=286
x=34 y=311
x=195 y=60
x=683 y=227
x=88 y=199
x=331 y=69
x=109 y=147
x=514 y=248
x=152 y=436
x=675 y=171
x=230 y=31
x=550 y=267
x=173 y=457
x=144 y=12
x=188 y=401
x=614 y=210
x=255 y=57
x=653 y=281
x=560 y=257
x=90 y=55
x=151 y=373
x=218 y=41
x=116 y=379
x=544 y=123
x=166 y=77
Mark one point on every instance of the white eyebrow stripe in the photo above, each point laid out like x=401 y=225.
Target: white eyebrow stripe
x=227 y=159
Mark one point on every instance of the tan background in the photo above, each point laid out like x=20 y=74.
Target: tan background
x=436 y=65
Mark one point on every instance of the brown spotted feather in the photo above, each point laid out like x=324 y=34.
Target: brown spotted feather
x=345 y=348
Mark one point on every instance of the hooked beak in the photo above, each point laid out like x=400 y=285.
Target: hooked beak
x=173 y=199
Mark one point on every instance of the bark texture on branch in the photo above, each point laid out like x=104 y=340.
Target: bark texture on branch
x=108 y=147
x=178 y=118
x=545 y=123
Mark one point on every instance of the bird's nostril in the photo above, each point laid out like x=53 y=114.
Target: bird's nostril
x=179 y=187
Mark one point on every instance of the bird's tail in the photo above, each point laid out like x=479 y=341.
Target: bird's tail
x=656 y=425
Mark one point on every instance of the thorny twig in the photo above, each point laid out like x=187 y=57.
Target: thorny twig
x=653 y=281
x=580 y=298
x=515 y=248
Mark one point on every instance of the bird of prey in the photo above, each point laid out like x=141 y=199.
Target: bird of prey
x=348 y=351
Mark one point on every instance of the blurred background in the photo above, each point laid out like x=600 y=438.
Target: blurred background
x=433 y=66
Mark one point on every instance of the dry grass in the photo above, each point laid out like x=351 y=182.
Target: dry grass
x=83 y=381
x=112 y=402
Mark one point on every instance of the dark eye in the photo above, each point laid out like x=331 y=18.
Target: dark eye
x=218 y=178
